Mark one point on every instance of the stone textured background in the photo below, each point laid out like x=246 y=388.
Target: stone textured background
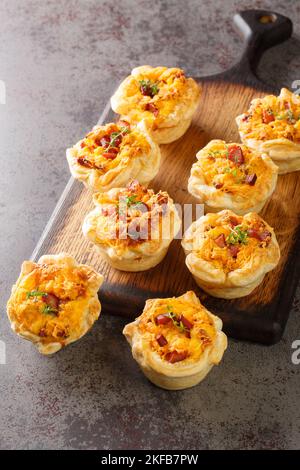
x=60 y=61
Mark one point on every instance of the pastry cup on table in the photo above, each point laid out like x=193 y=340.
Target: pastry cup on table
x=232 y=176
x=54 y=301
x=272 y=126
x=163 y=96
x=132 y=227
x=113 y=154
x=176 y=341
x=229 y=255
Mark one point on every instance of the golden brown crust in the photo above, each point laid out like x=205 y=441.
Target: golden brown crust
x=228 y=254
x=111 y=155
x=232 y=176
x=176 y=341
x=54 y=301
x=163 y=96
x=132 y=227
x=272 y=126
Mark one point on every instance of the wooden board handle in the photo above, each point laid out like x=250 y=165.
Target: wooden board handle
x=261 y=29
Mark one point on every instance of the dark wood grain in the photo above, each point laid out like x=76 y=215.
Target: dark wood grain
x=260 y=316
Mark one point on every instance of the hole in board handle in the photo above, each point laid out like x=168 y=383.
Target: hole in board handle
x=266 y=19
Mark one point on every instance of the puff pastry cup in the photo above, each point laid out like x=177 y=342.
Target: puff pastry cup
x=165 y=97
x=54 y=301
x=176 y=341
x=111 y=155
x=228 y=254
x=272 y=126
x=132 y=227
x=232 y=176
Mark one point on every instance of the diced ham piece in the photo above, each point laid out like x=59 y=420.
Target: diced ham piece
x=264 y=235
x=161 y=340
x=163 y=319
x=146 y=90
x=267 y=116
x=134 y=186
x=84 y=162
x=117 y=140
x=220 y=240
x=123 y=123
x=176 y=356
x=251 y=179
x=251 y=232
x=235 y=154
x=108 y=211
x=162 y=199
x=188 y=325
x=233 y=250
x=152 y=108
x=51 y=300
x=104 y=141
x=261 y=236
x=111 y=154
x=233 y=221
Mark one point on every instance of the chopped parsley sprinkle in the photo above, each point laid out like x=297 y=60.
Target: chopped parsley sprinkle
x=218 y=153
x=233 y=171
x=130 y=200
x=237 y=235
x=49 y=310
x=115 y=136
x=35 y=293
x=288 y=115
x=176 y=321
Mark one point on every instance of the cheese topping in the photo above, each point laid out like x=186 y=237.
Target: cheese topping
x=177 y=330
x=50 y=300
x=106 y=147
x=229 y=242
x=232 y=168
x=130 y=216
x=156 y=92
x=273 y=117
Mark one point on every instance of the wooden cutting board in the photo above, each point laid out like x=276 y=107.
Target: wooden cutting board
x=259 y=317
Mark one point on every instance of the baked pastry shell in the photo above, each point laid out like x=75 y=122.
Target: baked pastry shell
x=136 y=258
x=176 y=123
x=179 y=375
x=237 y=283
x=215 y=200
x=284 y=152
x=133 y=263
x=91 y=315
x=143 y=168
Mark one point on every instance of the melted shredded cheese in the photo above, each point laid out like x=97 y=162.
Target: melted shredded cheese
x=282 y=112
x=172 y=87
x=68 y=285
x=221 y=225
x=130 y=216
x=228 y=175
x=201 y=334
x=91 y=153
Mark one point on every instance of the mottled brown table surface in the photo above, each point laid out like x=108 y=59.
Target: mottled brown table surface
x=60 y=61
